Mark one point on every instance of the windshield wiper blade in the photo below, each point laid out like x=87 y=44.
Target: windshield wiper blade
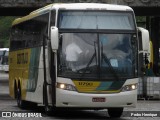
x=108 y=62
x=88 y=64
x=94 y=55
x=110 y=66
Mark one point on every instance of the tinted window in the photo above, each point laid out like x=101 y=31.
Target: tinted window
x=96 y=20
x=29 y=33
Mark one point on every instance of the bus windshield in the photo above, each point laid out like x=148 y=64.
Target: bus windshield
x=5 y=58
x=1 y=53
x=96 y=20
x=94 y=55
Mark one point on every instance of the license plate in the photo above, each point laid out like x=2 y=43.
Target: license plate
x=98 y=99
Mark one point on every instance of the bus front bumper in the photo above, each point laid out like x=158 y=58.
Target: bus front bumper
x=66 y=98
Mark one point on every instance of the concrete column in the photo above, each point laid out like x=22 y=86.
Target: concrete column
x=155 y=37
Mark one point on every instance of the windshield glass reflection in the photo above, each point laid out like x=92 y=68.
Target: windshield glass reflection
x=80 y=56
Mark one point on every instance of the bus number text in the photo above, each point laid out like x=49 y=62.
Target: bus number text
x=85 y=84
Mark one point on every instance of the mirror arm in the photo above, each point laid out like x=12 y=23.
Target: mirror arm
x=46 y=37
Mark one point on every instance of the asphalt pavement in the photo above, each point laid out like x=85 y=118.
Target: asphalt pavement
x=3 y=76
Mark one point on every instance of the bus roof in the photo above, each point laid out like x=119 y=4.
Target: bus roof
x=72 y=6
x=4 y=49
x=91 y=6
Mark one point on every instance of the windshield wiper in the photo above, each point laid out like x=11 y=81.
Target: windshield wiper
x=104 y=57
x=91 y=60
x=108 y=62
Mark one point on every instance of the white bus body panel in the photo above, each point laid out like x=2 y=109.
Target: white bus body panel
x=37 y=95
x=74 y=99
x=66 y=98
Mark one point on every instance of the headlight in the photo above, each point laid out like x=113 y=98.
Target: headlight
x=65 y=86
x=129 y=87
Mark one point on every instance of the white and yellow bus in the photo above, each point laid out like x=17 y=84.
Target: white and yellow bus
x=77 y=55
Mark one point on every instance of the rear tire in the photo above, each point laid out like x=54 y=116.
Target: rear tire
x=21 y=103
x=115 y=112
x=15 y=90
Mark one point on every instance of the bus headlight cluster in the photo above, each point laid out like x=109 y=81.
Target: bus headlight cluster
x=65 y=86
x=129 y=87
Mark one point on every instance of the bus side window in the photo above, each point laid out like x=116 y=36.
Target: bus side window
x=16 y=38
x=35 y=29
x=29 y=33
x=41 y=28
x=13 y=32
x=30 y=30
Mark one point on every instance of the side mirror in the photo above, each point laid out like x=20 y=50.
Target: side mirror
x=54 y=38
x=144 y=39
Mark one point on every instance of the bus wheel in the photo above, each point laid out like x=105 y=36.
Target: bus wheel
x=20 y=102
x=115 y=112
x=15 y=90
x=48 y=110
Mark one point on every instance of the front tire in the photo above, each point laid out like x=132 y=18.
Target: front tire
x=115 y=112
x=48 y=110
